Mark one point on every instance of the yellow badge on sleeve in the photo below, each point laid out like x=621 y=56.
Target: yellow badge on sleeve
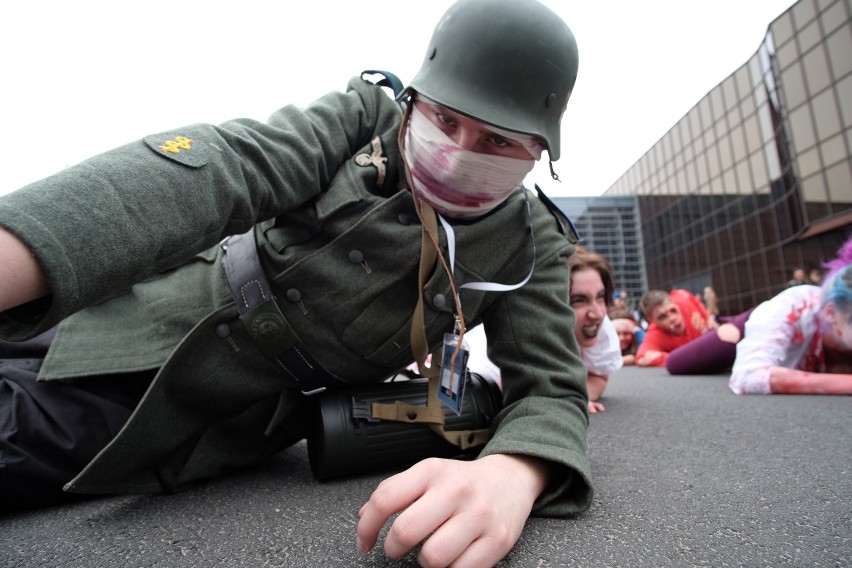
x=181 y=147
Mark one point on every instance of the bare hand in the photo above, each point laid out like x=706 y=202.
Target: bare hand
x=595 y=407
x=711 y=324
x=464 y=513
x=651 y=359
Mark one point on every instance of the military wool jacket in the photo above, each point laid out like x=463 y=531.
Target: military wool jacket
x=129 y=241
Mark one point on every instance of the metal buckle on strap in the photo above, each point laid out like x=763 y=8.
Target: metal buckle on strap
x=268 y=329
x=263 y=319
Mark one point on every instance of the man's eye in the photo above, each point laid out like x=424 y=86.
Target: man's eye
x=445 y=119
x=500 y=141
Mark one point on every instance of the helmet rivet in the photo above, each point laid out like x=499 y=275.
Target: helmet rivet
x=551 y=98
x=432 y=55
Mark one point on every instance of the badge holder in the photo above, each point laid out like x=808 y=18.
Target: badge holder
x=453 y=372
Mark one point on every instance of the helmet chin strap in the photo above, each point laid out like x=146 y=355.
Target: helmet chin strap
x=553 y=173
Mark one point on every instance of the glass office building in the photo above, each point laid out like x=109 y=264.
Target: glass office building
x=757 y=178
x=610 y=227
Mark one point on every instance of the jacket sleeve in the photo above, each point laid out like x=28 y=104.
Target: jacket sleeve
x=654 y=340
x=119 y=217
x=545 y=415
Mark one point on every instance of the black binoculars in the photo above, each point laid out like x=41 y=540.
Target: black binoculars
x=342 y=443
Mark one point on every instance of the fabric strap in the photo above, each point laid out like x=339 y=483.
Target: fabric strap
x=263 y=320
x=433 y=413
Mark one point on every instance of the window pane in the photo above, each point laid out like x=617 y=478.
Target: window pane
x=809 y=162
x=826 y=115
x=793 y=86
x=816 y=70
x=840 y=185
x=752 y=132
x=782 y=29
x=803 y=12
x=844 y=95
x=758 y=170
x=802 y=127
x=813 y=189
x=809 y=36
x=787 y=54
x=833 y=17
x=839 y=47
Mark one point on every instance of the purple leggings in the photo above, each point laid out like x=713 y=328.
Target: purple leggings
x=708 y=354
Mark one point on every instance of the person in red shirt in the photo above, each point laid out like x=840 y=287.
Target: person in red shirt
x=676 y=318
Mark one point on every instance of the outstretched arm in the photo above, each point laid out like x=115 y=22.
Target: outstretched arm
x=792 y=381
x=21 y=279
x=464 y=513
x=651 y=358
x=653 y=351
x=119 y=217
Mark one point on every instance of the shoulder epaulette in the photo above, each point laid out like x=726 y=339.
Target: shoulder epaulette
x=566 y=227
x=388 y=80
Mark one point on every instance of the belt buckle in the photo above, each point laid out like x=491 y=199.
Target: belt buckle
x=268 y=329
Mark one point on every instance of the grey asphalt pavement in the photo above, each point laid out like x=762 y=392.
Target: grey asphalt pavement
x=686 y=474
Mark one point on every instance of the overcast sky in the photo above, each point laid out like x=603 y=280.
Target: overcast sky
x=82 y=77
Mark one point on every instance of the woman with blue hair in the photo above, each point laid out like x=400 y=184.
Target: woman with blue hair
x=798 y=342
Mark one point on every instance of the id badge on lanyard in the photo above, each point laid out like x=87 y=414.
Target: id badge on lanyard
x=453 y=372
x=454 y=357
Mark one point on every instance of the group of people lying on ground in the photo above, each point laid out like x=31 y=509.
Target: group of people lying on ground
x=799 y=341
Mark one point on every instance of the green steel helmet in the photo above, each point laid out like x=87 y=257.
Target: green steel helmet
x=508 y=63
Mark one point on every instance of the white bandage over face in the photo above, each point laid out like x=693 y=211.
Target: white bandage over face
x=457 y=182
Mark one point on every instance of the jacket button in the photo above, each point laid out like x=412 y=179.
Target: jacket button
x=404 y=219
x=439 y=301
x=356 y=257
x=293 y=295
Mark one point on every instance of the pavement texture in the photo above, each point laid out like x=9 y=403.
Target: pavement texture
x=686 y=474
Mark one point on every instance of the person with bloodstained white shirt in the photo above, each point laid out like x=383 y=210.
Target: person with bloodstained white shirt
x=797 y=342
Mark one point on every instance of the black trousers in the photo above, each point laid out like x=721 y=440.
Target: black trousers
x=50 y=430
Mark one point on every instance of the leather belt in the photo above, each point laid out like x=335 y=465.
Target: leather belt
x=262 y=318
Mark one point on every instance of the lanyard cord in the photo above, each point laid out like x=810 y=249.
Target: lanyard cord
x=432 y=414
x=430 y=251
x=489 y=286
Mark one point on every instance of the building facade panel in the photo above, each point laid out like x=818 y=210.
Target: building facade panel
x=756 y=179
